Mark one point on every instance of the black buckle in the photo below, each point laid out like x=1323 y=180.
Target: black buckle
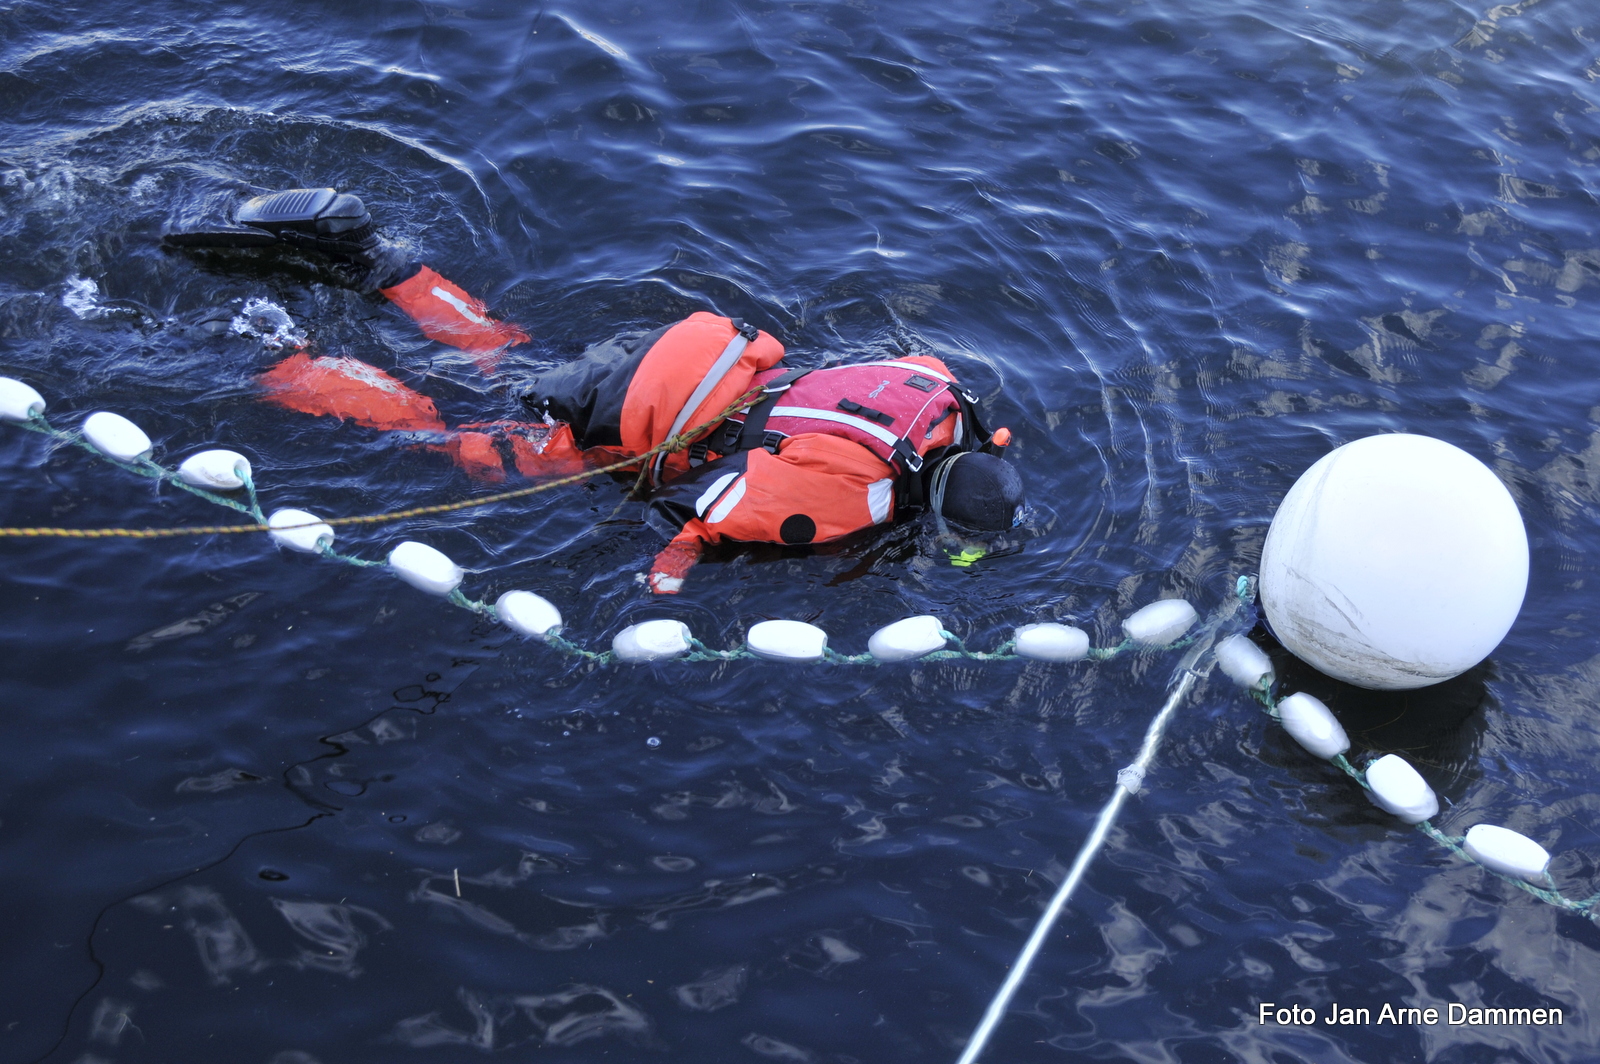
x=771 y=439
x=749 y=332
x=850 y=406
x=697 y=452
x=908 y=455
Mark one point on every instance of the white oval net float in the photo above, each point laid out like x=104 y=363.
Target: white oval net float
x=309 y=538
x=1313 y=726
x=787 y=641
x=1244 y=663
x=217 y=469
x=1508 y=852
x=18 y=401
x=425 y=568
x=115 y=436
x=907 y=639
x=651 y=641
x=1397 y=788
x=1049 y=641
x=528 y=614
x=1160 y=623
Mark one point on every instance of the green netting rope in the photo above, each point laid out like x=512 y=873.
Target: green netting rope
x=1262 y=694
x=955 y=649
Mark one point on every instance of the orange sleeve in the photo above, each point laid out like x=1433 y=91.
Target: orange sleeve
x=447 y=314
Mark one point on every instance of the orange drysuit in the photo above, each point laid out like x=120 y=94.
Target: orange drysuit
x=818 y=456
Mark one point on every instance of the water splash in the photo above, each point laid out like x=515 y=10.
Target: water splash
x=267 y=322
x=82 y=297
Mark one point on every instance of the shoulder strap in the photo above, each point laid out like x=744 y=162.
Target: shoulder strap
x=973 y=435
x=754 y=433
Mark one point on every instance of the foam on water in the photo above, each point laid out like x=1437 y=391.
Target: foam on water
x=82 y=297
x=266 y=321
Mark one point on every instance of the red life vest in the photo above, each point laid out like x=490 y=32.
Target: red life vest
x=891 y=408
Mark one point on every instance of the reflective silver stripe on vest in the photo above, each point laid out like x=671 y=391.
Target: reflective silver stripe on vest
x=871 y=428
x=911 y=366
x=719 y=369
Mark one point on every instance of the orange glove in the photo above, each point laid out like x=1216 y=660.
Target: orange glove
x=674 y=562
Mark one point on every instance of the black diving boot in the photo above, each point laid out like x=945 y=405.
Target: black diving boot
x=322 y=221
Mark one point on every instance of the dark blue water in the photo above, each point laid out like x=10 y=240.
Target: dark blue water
x=1182 y=250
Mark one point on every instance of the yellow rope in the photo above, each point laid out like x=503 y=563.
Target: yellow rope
x=672 y=443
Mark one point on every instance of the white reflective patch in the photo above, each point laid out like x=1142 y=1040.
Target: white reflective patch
x=880 y=496
x=455 y=301
x=709 y=496
x=871 y=428
x=356 y=370
x=729 y=501
x=924 y=370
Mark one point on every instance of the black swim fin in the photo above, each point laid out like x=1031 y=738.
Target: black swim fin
x=324 y=221
x=316 y=219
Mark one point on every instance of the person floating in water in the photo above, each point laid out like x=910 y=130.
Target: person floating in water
x=817 y=455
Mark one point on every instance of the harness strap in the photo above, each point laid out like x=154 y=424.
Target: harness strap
x=719 y=369
x=908 y=455
x=970 y=433
x=912 y=493
x=754 y=432
x=941 y=479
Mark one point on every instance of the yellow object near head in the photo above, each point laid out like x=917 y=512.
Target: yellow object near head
x=967 y=556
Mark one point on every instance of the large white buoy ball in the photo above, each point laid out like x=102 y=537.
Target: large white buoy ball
x=1395 y=562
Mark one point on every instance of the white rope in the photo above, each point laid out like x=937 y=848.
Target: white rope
x=1129 y=780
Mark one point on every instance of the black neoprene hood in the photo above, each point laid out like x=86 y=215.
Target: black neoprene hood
x=983 y=491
